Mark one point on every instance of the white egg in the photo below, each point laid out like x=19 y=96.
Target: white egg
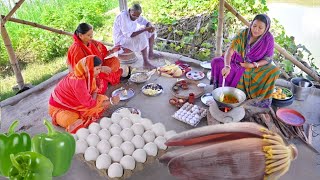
x=135 y=118
x=93 y=139
x=94 y=128
x=127 y=147
x=115 y=129
x=103 y=161
x=91 y=154
x=151 y=149
x=125 y=112
x=116 y=154
x=127 y=134
x=82 y=133
x=115 y=118
x=170 y=134
x=115 y=170
x=125 y=123
x=128 y=162
x=140 y=155
x=147 y=123
x=159 y=129
x=160 y=142
x=104 y=134
x=104 y=146
x=105 y=123
x=137 y=141
x=81 y=146
x=137 y=129
x=115 y=141
x=149 y=136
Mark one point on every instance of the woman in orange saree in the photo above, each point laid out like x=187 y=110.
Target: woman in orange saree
x=84 y=45
x=75 y=96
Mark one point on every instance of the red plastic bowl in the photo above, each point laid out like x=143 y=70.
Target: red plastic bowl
x=291 y=117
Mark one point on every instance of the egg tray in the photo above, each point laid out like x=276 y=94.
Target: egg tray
x=196 y=116
x=127 y=173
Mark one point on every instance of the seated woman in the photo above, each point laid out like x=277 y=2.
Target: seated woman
x=75 y=96
x=247 y=62
x=84 y=45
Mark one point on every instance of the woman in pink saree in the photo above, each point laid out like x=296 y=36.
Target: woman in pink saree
x=247 y=65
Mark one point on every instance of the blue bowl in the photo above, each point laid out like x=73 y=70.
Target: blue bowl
x=282 y=103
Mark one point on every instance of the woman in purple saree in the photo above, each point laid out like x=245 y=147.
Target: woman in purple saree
x=247 y=65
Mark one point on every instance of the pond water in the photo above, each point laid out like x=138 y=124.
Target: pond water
x=301 y=21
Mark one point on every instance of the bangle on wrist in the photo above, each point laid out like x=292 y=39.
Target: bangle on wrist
x=228 y=66
x=111 y=101
x=256 y=65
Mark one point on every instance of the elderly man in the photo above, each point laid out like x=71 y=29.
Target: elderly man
x=135 y=33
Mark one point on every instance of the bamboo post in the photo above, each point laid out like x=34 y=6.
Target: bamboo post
x=220 y=29
x=13 y=59
x=46 y=28
x=13 y=10
x=310 y=72
x=123 y=5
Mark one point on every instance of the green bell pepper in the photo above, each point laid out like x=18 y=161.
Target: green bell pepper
x=30 y=166
x=12 y=143
x=59 y=147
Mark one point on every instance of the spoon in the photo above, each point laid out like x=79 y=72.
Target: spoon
x=222 y=95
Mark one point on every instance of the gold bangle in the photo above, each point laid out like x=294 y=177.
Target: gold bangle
x=228 y=66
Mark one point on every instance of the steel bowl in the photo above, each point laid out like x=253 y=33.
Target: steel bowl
x=240 y=95
x=139 y=77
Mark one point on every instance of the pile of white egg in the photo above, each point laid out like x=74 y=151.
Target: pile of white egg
x=190 y=114
x=117 y=143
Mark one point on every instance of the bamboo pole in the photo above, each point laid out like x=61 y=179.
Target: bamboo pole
x=284 y=73
x=46 y=28
x=13 y=10
x=220 y=29
x=310 y=72
x=13 y=59
x=123 y=5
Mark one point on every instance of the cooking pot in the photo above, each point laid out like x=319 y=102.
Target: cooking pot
x=237 y=93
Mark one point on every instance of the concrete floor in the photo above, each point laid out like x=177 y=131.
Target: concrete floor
x=33 y=109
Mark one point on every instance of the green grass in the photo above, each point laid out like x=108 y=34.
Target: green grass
x=33 y=73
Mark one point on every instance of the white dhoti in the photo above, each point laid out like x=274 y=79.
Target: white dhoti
x=137 y=43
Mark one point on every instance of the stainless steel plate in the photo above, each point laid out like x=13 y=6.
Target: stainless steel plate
x=209 y=75
x=123 y=96
x=131 y=109
x=206 y=65
x=207 y=98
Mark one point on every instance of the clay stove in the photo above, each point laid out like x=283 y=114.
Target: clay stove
x=224 y=114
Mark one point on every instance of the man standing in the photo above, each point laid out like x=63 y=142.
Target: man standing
x=135 y=33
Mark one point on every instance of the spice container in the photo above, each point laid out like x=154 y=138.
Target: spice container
x=191 y=98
